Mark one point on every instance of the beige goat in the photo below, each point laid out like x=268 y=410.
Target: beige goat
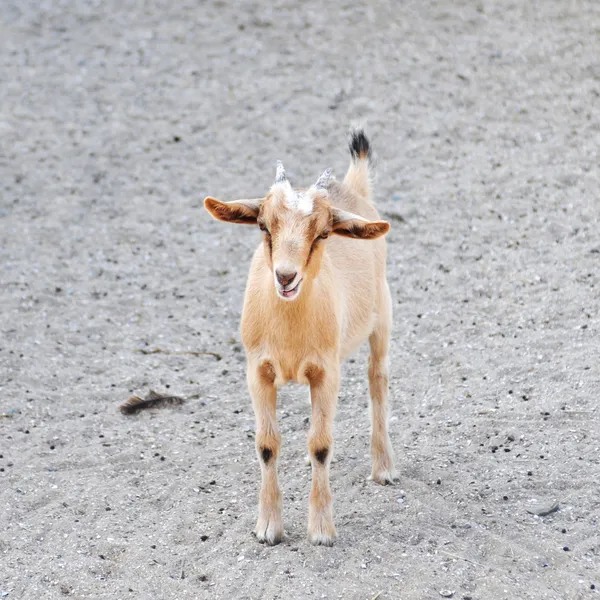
x=310 y=302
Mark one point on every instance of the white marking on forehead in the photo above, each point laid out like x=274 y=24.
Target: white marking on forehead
x=299 y=201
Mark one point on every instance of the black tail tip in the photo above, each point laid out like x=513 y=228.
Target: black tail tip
x=359 y=145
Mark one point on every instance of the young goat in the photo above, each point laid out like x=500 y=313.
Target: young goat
x=310 y=301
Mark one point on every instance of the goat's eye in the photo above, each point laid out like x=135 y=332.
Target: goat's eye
x=324 y=235
x=263 y=227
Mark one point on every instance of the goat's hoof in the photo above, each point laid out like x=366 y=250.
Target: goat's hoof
x=269 y=531
x=384 y=477
x=321 y=539
x=322 y=533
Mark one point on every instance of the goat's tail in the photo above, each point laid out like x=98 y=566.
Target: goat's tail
x=358 y=175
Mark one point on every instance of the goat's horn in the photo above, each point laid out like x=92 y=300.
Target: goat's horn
x=323 y=180
x=280 y=175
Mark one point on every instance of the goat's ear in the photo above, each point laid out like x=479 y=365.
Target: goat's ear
x=350 y=225
x=238 y=211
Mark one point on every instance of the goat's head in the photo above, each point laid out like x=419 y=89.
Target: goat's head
x=295 y=224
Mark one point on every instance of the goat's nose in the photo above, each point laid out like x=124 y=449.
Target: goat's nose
x=285 y=278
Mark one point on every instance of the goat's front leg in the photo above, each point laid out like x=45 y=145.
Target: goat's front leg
x=261 y=383
x=324 y=384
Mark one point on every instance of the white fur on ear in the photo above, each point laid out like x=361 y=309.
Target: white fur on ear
x=236 y=211
x=348 y=224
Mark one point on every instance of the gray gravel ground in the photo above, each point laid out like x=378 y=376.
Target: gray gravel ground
x=117 y=118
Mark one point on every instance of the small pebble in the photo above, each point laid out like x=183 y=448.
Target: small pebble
x=439 y=481
x=566 y=548
x=592 y=587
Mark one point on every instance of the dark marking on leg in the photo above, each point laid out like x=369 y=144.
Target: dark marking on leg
x=266 y=454
x=321 y=455
x=266 y=372
x=314 y=374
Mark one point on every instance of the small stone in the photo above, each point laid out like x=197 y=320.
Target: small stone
x=566 y=548
x=446 y=593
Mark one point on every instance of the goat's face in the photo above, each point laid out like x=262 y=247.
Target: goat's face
x=295 y=225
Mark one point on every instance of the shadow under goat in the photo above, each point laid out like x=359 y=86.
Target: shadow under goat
x=316 y=290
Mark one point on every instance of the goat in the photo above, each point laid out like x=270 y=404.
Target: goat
x=310 y=301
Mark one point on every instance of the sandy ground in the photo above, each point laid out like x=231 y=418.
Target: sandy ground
x=117 y=118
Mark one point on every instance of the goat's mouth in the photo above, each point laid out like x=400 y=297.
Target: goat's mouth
x=291 y=293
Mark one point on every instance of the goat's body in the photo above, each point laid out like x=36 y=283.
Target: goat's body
x=344 y=301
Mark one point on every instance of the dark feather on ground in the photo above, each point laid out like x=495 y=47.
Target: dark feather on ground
x=152 y=400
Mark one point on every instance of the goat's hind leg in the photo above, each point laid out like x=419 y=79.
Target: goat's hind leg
x=261 y=383
x=381 y=447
